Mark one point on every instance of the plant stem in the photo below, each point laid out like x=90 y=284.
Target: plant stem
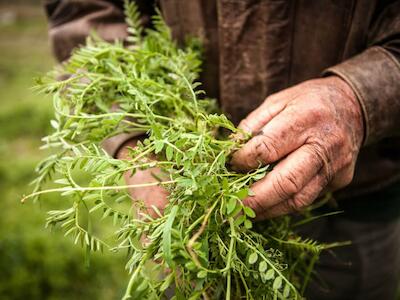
x=128 y=290
x=194 y=238
x=229 y=262
x=95 y=188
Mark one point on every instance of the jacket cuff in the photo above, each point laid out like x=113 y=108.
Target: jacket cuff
x=374 y=76
x=113 y=144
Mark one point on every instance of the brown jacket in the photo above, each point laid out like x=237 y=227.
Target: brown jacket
x=254 y=48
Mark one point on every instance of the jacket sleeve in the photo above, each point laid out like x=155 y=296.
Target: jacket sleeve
x=374 y=76
x=71 y=21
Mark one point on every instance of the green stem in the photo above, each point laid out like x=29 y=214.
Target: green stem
x=96 y=188
x=229 y=262
x=308 y=274
x=128 y=290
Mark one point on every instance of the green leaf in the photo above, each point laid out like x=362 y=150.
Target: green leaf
x=251 y=193
x=190 y=266
x=243 y=193
x=249 y=212
x=230 y=206
x=158 y=146
x=167 y=281
x=63 y=181
x=91 y=197
x=286 y=291
x=121 y=198
x=236 y=211
x=178 y=158
x=169 y=153
x=277 y=283
x=221 y=160
x=166 y=245
x=225 y=184
x=240 y=220
x=178 y=295
x=142 y=286
x=259 y=176
x=54 y=124
x=253 y=258
x=248 y=224
x=270 y=274
x=262 y=267
x=202 y=274
x=156 y=131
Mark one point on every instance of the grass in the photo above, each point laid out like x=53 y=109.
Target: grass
x=34 y=262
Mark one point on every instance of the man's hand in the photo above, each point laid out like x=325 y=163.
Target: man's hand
x=152 y=195
x=315 y=131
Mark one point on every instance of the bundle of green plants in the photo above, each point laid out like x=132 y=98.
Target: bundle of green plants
x=205 y=244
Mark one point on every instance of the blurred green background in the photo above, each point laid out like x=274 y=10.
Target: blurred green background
x=36 y=263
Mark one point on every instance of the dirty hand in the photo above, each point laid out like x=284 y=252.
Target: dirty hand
x=151 y=195
x=315 y=131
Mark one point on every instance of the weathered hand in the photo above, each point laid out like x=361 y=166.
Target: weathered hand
x=315 y=130
x=152 y=195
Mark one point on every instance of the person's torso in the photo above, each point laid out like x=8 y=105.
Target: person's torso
x=254 y=48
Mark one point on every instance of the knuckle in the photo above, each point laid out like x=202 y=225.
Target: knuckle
x=320 y=114
x=288 y=206
x=323 y=159
x=286 y=186
x=325 y=179
x=319 y=149
x=316 y=112
x=271 y=98
x=296 y=204
x=317 y=155
x=255 y=203
x=291 y=181
x=267 y=149
x=266 y=112
x=245 y=124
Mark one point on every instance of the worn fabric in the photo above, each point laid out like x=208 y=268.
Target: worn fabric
x=368 y=269
x=254 y=48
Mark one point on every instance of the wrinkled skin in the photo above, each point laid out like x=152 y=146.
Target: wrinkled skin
x=314 y=132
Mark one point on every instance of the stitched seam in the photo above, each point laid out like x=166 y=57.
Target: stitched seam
x=378 y=50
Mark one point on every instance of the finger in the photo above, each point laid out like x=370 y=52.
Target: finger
x=298 y=202
x=283 y=134
x=285 y=180
x=262 y=115
x=272 y=106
